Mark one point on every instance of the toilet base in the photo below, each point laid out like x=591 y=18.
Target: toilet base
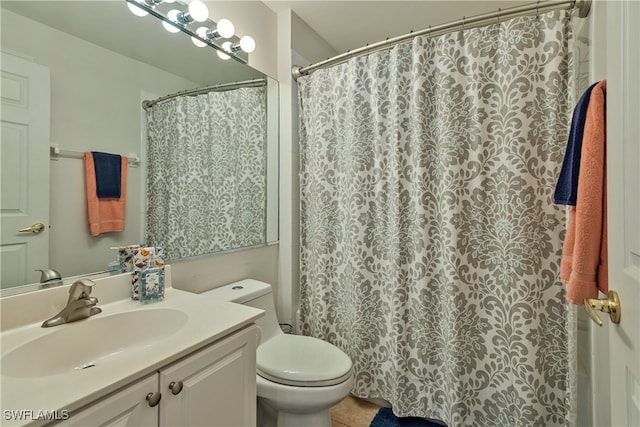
x=291 y=406
x=268 y=416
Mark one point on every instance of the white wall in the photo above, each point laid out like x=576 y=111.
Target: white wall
x=255 y=19
x=307 y=43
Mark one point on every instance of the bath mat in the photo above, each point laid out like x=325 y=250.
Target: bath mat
x=385 y=418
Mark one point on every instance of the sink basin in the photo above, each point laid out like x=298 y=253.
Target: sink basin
x=84 y=344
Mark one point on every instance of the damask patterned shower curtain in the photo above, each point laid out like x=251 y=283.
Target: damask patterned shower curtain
x=206 y=188
x=430 y=244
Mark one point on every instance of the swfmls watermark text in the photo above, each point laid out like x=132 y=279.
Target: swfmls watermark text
x=35 y=415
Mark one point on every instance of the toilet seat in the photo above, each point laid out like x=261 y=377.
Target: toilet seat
x=302 y=361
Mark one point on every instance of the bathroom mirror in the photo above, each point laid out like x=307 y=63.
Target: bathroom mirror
x=103 y=62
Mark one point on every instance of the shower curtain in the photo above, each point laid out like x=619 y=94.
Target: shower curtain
x=430 y=244
x=206 y=188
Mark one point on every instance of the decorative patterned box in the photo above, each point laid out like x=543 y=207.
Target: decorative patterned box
x=141 y=258
x=125 y=255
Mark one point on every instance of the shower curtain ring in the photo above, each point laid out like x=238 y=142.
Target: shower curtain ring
x=538 y=9
x=464 y=18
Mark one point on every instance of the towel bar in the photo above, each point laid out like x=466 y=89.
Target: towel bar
x=56 y=151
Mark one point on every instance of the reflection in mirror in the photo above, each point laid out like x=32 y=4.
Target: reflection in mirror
x=100 y=62
x=193 y=19
x=206 y=187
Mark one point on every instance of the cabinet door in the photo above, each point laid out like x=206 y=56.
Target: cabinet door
x=214 y=387
x=128 y=407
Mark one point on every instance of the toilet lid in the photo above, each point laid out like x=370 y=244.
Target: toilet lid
x=302 y=361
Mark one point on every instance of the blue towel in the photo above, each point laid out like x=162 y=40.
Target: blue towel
x=567 y=186
x=108 y=169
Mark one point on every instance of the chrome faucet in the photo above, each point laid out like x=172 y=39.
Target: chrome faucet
x=79 y=305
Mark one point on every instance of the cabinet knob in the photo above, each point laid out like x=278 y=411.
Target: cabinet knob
x=154 y=398
x=175 y=387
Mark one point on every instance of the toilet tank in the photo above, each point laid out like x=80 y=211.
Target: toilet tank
x=252 y=293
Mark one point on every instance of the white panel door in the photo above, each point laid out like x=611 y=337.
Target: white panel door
x=24 y=180
x=623 y=175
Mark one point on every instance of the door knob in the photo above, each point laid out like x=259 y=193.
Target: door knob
x=36 y=228
x=610 y=305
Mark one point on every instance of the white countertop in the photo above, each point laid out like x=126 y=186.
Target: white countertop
x=207 y=322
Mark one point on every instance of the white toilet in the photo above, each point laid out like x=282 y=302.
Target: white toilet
x=298 y=378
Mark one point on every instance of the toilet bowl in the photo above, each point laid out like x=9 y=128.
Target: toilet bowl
x=298 y=378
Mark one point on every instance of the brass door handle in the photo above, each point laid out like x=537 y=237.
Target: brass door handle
x=36 y=228
x=610 y=305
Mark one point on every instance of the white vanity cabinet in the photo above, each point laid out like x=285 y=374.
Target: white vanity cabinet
x=214 y=386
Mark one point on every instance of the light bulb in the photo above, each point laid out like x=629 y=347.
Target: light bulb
x=173 y=16
x=247 y=44
x=137 y=10
x=202 y=32
x=226 y=46
x=198 y=11
x=225 y=28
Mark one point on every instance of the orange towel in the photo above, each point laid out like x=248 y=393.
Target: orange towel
x=584 y=253
x=104 y=215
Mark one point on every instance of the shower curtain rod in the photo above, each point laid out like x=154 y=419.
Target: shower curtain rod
x=202 y=90
x=583 y=7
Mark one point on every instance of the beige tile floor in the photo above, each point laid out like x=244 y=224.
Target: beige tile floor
x=353 y=412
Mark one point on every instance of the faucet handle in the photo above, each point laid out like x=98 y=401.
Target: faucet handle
x=80 y=289
x=48 y=274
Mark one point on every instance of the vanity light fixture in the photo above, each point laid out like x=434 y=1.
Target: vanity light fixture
x=226 y=47
x=172 y=15
x=247 y=44
x=202 y=32
x=138 y=11
x=179 y=15
x=224 y=29
x=197 y=12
